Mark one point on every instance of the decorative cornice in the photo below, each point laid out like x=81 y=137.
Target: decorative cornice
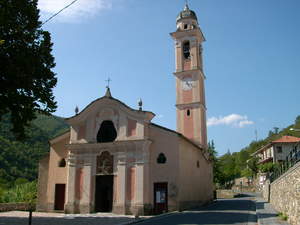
x=100 y=146
x=181 y=34
x=190 y=105
x=195 y=70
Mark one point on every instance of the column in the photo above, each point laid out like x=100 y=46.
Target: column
x=70 y=201
x=142 y=179
x=139 y=196
x=120 y=207
x=85 y=202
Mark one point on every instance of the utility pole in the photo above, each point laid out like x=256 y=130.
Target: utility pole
x=255 y=135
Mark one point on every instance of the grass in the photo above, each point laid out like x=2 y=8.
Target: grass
x=283 y=216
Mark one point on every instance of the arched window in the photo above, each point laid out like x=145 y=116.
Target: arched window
x=62 y=163
x=105 y=163
x=185 y=26
x=107 y=132
x=186 y=50
x=198 y=164
x=188 y=112
x=161 y=159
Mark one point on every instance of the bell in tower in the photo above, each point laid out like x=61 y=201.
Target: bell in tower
x=190 y=92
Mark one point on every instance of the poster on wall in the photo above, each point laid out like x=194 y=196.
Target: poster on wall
x=160 y=196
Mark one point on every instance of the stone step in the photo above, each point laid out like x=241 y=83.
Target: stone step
x=266 y=215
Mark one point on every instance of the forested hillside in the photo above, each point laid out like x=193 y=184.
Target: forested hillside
x=233 y=165
x=19 y=159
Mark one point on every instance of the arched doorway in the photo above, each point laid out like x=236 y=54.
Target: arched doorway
x=107 y=132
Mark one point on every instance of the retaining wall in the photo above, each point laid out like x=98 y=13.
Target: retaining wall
x=285 y=194
x=4 y=207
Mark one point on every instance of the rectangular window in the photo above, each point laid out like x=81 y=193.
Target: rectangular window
x=279 y=149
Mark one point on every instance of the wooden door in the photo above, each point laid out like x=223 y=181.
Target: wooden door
x=59 y=203
x=104 y=193
x=160 y=197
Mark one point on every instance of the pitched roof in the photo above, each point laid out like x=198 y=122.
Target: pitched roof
x=106 y=96
x=283 y=139
x=181 y=136
x=287 y=139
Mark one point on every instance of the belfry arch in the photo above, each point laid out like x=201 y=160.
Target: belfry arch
x=107 y=132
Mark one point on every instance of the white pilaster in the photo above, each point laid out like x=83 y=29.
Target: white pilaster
x=70 y=201
x=85 y=203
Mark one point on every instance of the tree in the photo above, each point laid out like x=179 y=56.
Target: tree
x=26 y=63
x=213 y=156
x=252 y=164
x=297 y=120
x=212 y=150
x=276 y=130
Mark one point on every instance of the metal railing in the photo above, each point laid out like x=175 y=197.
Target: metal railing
x=291 y=160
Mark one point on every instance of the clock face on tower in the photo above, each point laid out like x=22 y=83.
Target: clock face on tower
x=187 y=84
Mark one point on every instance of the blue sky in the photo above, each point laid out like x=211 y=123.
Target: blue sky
x=251 y=58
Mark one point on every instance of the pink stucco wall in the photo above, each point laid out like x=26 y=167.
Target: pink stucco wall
x=167 y=143
x=198 y=186
x=56 y=174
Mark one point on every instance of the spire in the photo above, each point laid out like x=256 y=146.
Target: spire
x=76 y=110
x=186 y=7
x=186 y=13
x=140 y=103
x=107 y=93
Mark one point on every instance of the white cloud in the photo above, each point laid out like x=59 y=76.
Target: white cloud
x=80 y=10
x=245 y=122
x=232 y=119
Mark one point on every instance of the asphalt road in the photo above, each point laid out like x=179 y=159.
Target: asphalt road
x=238 y=211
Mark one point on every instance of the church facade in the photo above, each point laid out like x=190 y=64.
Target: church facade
x=114 y=158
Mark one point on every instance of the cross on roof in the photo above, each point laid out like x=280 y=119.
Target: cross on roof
x=108 y=81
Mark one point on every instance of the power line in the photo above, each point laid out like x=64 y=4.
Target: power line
x=54 y=15
x=2 y=42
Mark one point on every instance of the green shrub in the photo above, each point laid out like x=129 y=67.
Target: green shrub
x=283 y=216
x=20 y=181
x=268 y=167
x=26 y=192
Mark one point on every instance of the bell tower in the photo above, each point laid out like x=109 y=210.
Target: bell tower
x=190 y=93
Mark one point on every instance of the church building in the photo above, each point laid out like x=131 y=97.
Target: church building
x=114 y=159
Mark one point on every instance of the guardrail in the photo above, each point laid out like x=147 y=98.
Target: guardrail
x=291 y=160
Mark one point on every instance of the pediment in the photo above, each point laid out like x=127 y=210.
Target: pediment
x=108 y=107
x=106 y=120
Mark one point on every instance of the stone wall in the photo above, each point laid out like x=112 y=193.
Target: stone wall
x=265 y=189
x=226 y=194
x=285 y=194
x=4 y=207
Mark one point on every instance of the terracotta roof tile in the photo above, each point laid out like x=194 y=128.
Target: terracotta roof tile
x=287 y=139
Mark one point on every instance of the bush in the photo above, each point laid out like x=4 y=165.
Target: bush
x=283 y=216
x=268 y=167
x=26 y=192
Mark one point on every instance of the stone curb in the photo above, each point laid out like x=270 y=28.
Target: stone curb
x=150 y=218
